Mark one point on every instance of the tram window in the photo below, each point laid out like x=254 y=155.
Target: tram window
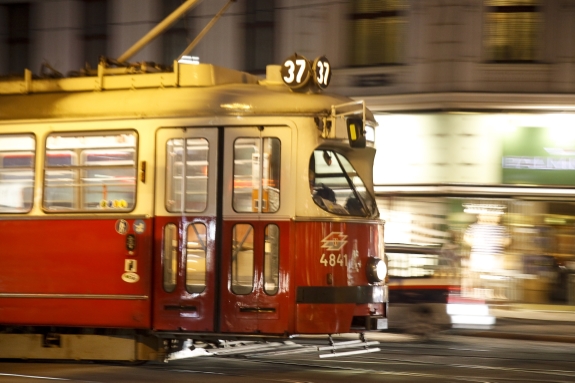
x=252 y=176
x=90 y=172
x=187 y=175
x=196 y=258
x=242 y=259
x=412 y=265
x=170 y=257
x=271 y=260
x=108 y=177
x=337 y=187
x=59 y=184
x=17 y=157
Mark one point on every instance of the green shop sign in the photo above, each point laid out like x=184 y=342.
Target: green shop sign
x=538 y=156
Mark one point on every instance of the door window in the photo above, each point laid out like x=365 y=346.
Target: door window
x=196 y=258
x=170 y=257
x=257 y=168
x=271 y=260
x=187 y=175
x=242 y=259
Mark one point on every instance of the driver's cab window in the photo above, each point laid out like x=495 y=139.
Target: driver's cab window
x=336 y=187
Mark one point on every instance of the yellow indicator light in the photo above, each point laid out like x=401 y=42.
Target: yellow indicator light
x=352 y=132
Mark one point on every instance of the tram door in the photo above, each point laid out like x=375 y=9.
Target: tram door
x=254 y=293
x=184 y=292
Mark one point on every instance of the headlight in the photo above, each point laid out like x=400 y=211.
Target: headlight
x=376 y=270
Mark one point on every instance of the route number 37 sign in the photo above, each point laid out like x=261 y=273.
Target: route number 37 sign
x=297 y=71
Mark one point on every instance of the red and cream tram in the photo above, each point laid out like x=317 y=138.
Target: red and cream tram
x=140 y=207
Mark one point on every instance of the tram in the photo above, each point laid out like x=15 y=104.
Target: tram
x=141 y=206
x=423 y=281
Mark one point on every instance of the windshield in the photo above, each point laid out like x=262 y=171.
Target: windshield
x=336 y=187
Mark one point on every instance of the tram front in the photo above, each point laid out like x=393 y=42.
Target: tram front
x=340 y=267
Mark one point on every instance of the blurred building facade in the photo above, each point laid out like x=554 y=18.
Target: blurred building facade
x=475 y=100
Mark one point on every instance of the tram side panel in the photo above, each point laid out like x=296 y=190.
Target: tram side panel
x=74 y=272
x=75 y=250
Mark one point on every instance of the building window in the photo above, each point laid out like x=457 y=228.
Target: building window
x=378 y=30
x=95 y=30
x=512 y=28
x=259 y=35
x=175 y=39
x=18 y=37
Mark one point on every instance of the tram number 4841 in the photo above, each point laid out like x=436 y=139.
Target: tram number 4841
x=333 y=260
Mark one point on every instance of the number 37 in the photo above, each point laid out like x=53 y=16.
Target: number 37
x=302 y=68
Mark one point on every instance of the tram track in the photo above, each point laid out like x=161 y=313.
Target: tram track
x=409 y=355
x=558 y=376
x=470 y=375
x=525 y=356
x=306 y=368
x=528 y=350
x=355 y=371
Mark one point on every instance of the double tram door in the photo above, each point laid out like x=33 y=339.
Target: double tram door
x=254 y=293
x=184 y=290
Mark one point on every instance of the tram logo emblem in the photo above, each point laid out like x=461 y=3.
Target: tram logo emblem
x=335 y=241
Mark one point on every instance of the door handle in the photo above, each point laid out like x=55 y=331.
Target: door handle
x=257 y=310
x=180 y=308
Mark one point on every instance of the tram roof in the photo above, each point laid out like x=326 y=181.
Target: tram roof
x=187 y=90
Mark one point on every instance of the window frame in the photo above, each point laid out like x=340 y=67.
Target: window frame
x=94 y=35
x=257 y=28
x=394 y=20
x=512 y=33
x=18 y=37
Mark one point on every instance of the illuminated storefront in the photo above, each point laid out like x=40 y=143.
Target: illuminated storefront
x=497 y=188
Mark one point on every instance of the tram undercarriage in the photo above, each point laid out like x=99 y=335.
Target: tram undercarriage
x=129 y=346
